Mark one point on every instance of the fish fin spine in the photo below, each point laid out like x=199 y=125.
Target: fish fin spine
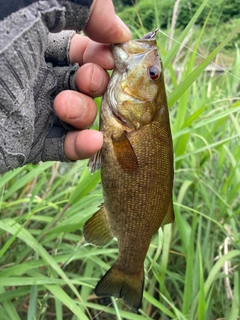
x=169 y=218
x=124 y=153
x=97 y=229
x=95 y=162
x=119 y=284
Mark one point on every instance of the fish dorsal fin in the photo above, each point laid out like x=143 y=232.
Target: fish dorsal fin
x=169 y=218
x=124 y=153
x=97 y=229
x=95 y=162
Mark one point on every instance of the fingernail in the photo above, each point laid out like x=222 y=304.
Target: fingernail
x=97 y=82
x=126 y=31
x=109 y=58
x=98 y=137
x=76 y=106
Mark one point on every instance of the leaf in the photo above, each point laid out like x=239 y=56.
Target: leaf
x=183 y=86
x=12 y=227
x=87 y=182
x=9 y=308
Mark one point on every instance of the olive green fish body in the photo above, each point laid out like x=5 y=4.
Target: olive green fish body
x=136 y=167
x=136 y=199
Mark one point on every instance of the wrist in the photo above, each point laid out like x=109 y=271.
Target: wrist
x=76 y=13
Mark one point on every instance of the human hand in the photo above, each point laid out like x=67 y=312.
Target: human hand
x=94 y=58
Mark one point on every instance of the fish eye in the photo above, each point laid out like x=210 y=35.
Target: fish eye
x=154 y=72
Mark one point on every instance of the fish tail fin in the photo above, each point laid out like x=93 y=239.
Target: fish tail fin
x=128 y=287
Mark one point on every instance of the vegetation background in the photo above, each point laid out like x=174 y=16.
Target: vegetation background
x=47 y=271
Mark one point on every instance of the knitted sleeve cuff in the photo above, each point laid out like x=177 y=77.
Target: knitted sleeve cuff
x=57 y=51
x=66 y=77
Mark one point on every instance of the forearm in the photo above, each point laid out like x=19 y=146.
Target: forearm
x=67 y=10
x=27 y=84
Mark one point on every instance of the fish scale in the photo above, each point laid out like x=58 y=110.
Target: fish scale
x=136 y=162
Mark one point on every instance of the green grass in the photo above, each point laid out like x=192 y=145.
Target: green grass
x=47 y=271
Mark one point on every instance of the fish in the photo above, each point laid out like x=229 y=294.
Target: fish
x=136 y=161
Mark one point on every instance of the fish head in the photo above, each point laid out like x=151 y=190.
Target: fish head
x=137 y=84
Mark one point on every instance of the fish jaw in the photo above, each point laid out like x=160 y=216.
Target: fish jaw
x=133 y=50
x=133 y=90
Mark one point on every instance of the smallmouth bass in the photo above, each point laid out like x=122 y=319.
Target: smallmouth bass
x=136 y=162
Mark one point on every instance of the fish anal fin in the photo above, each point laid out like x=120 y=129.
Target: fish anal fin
x=124 y=153
x=128 y=287
x=97 y=229
x=169 y=218
x=95 y=162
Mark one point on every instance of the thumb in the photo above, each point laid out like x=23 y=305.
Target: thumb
x=104 y=26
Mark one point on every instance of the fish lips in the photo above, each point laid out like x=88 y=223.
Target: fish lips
x=134 y=51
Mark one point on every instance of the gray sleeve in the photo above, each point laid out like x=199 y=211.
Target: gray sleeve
x=29 y=129
x=58 y=48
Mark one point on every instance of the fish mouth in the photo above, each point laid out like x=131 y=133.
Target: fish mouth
x=151 y=35
x=147 y=41
x=139 y=48
x=131 y=52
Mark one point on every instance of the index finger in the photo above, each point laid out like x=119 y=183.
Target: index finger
x=83 y=50
x=104 y=25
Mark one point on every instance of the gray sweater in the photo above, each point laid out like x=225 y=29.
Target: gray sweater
x=34 y=67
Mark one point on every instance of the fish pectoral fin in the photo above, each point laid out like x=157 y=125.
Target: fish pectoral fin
x=169 y=218
x=128 y=287
x=97 y=229
x=124 y=153
x=95 y=162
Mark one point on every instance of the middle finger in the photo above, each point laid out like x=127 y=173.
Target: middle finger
x=92 y=80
